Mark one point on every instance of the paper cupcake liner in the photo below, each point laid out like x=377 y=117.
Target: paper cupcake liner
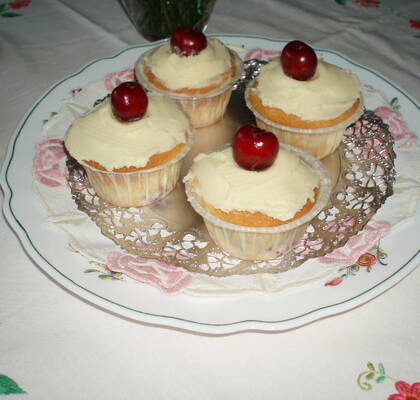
x=203 y=109
x=265 y=243
x=137 y=188
x=319 y=142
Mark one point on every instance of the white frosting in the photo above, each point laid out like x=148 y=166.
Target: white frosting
x=279 y=191
x=329 y=93
x=196 y=71
x=99 y=136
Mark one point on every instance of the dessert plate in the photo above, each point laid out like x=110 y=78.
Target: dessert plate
x=205 y=314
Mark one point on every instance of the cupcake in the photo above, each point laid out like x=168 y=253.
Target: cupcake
x=256 y=197
x=305 y=101
x=196 y=71
x=131 y=145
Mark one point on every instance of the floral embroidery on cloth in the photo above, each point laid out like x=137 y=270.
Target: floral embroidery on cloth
x=9 y=386
x=368 y=3
x=405 y=391
x=7 y=10
x=414 y=23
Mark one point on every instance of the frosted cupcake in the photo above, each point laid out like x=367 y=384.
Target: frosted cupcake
x=131 y=145
x=306 y=102
x=256 y=201
x=196 y=71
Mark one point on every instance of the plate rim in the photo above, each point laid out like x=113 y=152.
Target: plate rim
x=177 y=322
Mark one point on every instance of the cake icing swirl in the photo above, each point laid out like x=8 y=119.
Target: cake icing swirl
x=177 y=72
x=99 y=136
x=329 y=93
x=279 y=191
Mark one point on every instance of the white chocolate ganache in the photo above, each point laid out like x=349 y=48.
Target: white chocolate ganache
x=196 y=71
x=329 y=93
x=279 y=191
x=99 y=136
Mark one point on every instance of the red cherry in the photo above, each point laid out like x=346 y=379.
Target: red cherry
x=298 y=60
x=129 y=101
x=187 y=42
x=254 y=149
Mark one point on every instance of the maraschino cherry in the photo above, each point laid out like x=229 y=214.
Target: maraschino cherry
x=254 y=149
x=129 y=101
x=187 y=42
x=298 y=60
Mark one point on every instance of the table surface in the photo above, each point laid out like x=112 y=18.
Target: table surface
x=55 y=345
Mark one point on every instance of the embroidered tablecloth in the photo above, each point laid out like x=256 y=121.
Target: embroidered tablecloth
x=56 y=345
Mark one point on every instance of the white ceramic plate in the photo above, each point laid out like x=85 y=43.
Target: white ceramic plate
x=201 y=314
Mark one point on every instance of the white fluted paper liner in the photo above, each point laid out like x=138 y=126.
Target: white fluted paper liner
x=138 y=188
x=319 y=142
x=203 y=109
x=254 y=243
x=84 y=236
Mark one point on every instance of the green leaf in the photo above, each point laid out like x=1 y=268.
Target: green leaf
x=10 y=14
x=341 y=2
x=91 y=270
x=103 y=276
x=370 y=366
x=380 y=379
x=370 y=375
x=381 y=368
x=8 y=386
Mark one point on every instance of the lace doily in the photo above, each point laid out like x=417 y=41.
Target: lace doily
x=171 y=232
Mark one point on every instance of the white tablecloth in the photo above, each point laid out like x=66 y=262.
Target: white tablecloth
x=53 y=345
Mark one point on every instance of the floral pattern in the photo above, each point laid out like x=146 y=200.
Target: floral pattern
x=261 y=54
x=358 y=244
x=406 y=391
x=48 y=166
x=114 y=79
x=167 y=278
x=16 y=5
x=8 y=10
x=368 y=3
x=414 y=23
x=366 y=261
x=397 y=126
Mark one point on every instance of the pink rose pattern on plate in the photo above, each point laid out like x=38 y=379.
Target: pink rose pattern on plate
x=397 y=126
x=167 y=278
x=49 y=166
x=358 y=244
x=114 y=79
x=261 y=54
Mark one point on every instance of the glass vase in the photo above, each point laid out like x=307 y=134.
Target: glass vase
x=157 y=19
